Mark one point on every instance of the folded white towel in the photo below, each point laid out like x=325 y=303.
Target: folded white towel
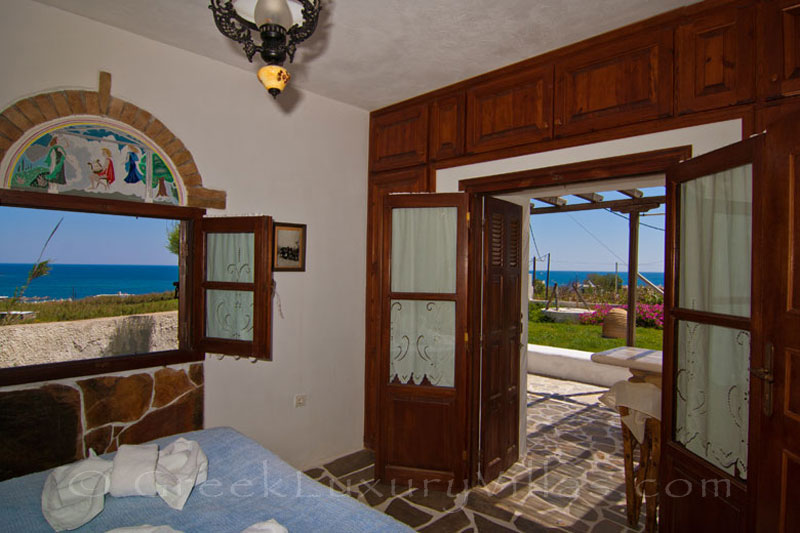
x=270 y=526
x=181 y=466
x=73 y=494
x=134 y=470
x=144 y=529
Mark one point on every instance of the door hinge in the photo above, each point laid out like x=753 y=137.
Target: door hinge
x=464 y=455
x=467 y=217
x=466 y=337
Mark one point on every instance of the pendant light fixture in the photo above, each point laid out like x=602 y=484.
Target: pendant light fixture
x=272 y=20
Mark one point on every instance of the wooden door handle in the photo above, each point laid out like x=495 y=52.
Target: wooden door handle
x=765 y=374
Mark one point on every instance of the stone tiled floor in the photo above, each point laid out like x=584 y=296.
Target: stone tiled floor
x=570 y=480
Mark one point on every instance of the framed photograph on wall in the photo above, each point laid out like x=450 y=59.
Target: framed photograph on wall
x=289 y=248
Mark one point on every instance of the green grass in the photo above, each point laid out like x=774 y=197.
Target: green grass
x=587 y=338
x=542 y=330
x=99 y=306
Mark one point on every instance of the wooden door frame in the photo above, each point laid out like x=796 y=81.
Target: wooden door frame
x=598 y=170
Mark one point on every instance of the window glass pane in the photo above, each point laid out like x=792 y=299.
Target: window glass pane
x=422 y=342
x=712 y=402
x=108 y=286
x=229 y=315
x=229 y=257
x=424 y=249
x=715 y=242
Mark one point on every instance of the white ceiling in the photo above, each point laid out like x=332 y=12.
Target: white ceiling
x=372 y=53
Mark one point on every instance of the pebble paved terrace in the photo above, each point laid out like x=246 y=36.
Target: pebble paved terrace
x=572 y=478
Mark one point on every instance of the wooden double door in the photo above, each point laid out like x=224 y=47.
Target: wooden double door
x=449 y=413
x=731 y=390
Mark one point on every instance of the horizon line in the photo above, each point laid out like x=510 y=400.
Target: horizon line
x=93 y=264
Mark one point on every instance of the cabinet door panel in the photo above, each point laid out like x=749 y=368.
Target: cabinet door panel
x=399 y=138
x=780 y=48
x=510 y=110
x=628 y=81
x=715 y=60
x=447 y=127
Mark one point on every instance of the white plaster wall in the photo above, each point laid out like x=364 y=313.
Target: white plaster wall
x=703 y=139
x=305 y=164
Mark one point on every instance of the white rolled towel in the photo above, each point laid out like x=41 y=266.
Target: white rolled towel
x=270 y=526
x=181 y=466
x=134 y=470
x=73 y=494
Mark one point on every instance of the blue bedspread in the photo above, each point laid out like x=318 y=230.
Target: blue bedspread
x=246 y=484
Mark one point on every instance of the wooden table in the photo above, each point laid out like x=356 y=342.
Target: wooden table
x=645 y=367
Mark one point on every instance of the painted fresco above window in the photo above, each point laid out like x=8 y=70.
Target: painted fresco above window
x=92 y=156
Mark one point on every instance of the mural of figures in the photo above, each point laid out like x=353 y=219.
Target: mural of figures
x=103 y=172
x=134 y=176
x=50 y=170
x=74 y=156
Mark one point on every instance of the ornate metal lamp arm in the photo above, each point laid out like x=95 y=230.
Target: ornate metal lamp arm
x=232 y=26
x=298 y=34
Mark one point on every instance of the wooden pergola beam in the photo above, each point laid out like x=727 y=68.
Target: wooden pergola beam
x=632 y=193
x=556 y=201
x=590 y=196
x=615 y=205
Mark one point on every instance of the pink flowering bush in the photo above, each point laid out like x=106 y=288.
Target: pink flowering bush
x=647 y=315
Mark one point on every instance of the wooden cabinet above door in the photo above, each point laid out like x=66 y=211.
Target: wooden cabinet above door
x=510 y=110
x=629 y=80
x=780 y=48
x=447 y=126
x=399 y=138
x=715 y=66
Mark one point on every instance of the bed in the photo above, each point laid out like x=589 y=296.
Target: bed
x=246 y=484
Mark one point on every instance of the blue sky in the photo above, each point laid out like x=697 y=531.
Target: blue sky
x=602 y=241
x=82 y=238
x=85 y=238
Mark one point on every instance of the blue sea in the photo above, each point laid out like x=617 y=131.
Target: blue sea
x=79 y=281
x=565 y=277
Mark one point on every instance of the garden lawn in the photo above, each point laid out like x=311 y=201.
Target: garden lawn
x=587 y=338
x=98 y=307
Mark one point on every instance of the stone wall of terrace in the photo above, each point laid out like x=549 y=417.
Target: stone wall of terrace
x=53 y=342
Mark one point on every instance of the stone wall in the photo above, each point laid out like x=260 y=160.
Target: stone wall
x=47 y=424
x=53 y=342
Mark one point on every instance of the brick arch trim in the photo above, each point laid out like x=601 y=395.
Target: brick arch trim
x=28 y=113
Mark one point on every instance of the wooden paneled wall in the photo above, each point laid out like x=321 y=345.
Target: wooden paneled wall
x=712 y=61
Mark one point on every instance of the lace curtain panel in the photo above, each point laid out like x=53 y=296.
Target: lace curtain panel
x=422 y=342
x=230 y=258
x=712 y=402
x=424 y=249
x=422 y=332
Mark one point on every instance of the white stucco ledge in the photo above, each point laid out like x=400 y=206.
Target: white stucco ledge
x=574 y=365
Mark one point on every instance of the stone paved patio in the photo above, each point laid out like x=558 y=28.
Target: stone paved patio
x=572 y=478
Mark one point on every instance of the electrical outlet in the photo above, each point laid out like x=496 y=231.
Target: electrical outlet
x=300 y=400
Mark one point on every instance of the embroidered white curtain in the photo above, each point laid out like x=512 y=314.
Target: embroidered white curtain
x=424 y=249
x=230 y=257
x=423 y=260
x=713 y=362
x=422 y=342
